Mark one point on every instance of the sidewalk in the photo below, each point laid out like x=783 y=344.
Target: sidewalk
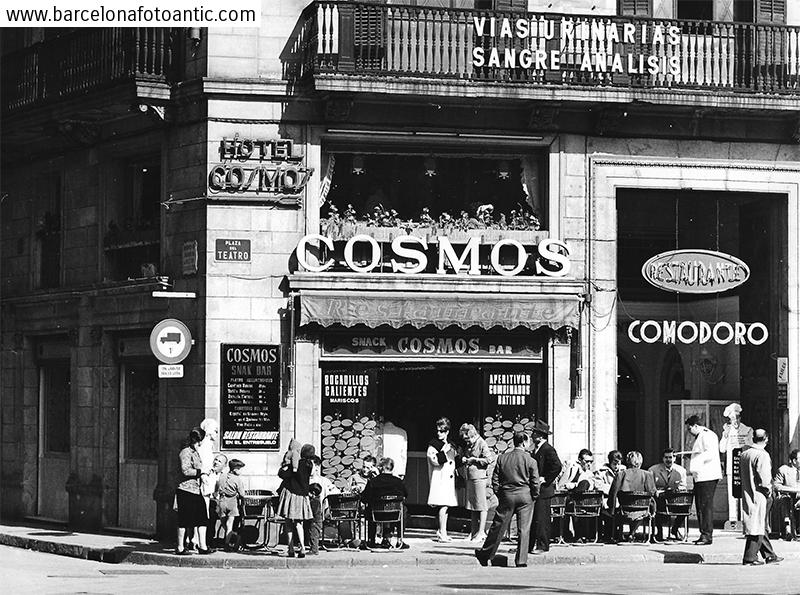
x=727 y=548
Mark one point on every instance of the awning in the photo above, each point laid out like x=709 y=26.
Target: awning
x=440 y=310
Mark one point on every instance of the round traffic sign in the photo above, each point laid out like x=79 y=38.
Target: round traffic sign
x=170 y=341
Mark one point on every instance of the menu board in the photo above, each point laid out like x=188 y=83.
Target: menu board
x=250 y=394
x=736 y=473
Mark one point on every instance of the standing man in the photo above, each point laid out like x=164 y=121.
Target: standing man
x=786 y=484
x=756 y=467
x=549 y=469
x=706 y=470
x=515 y=480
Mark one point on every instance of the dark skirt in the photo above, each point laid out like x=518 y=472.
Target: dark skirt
x=294 y=507
x=192 y=510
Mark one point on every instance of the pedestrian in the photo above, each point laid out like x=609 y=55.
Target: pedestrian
x=549 y=467
x=230 y=491
x=631 y=479
x=515 y=480
x=442 y=475
x=191 y=507
x=319 y=487
x=475 y=458
x=706 y=470
x=294 y=504
x=756 y=471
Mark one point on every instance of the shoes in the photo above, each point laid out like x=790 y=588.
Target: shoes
x=183 y=552
x=753 y=563
x=521 y=565
x=313 y=553
x=676 y=535
x=386 y=544
x=774 y=560
x=205 y=552
x=301 y=554
x=290 y=553
x=402 y=545
x=703 y=541
x=484 y=561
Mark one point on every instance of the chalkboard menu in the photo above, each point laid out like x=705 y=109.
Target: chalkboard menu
x=250 y=392
x=736 y=473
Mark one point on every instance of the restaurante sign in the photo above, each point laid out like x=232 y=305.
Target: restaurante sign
x=551 y=256
x=695 y=271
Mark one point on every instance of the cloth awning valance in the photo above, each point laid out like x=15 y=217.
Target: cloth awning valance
x=440 y=310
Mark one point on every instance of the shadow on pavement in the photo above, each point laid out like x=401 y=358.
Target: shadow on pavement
x=680 y=556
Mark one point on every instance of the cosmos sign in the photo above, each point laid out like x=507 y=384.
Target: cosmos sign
x=695 y=271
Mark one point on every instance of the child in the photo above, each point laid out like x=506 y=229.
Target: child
x=292 y=455
x=229 y=490
x=319 y=488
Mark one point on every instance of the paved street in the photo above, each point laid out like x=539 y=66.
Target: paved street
x=24 y=571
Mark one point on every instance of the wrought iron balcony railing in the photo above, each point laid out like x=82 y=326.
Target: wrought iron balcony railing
x=393 y=41
x=82 y=61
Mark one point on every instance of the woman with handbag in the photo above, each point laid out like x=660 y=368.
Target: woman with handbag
x=474 y=460
x=190 y=504
x=442 y=475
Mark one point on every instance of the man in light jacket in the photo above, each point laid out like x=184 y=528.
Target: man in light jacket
x=706 y=470
x=756 y=468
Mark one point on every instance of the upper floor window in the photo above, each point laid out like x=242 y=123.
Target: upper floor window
x=47 y=244
x=635 y=8
x=133 y=231
x=695 y=10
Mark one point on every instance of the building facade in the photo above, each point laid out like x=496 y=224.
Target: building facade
x=388 y=212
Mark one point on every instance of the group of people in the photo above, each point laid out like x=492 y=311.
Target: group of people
x=519 y=482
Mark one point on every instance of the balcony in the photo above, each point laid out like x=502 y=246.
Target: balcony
x=85 y=61
x=346 y=46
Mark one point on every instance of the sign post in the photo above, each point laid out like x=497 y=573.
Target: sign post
x=170 y=342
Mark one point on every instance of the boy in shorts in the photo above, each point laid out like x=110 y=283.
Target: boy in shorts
x=229 y=491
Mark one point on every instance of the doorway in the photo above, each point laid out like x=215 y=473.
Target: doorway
x=54 y=439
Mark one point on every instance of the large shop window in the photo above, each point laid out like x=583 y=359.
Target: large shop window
x=132 y=240
x=140 y=394
x=692 y=325
x=464 y=191
x=358 y=397
x=55 y=399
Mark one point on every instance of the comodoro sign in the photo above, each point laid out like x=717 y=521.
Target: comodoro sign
x=671 y=331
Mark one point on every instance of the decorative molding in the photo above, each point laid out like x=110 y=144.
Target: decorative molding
x=156 y=112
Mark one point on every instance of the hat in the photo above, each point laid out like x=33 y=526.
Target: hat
x=235 y=464
x=541 y=427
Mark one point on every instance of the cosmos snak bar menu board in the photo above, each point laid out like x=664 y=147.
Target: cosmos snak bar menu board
x=250 y=390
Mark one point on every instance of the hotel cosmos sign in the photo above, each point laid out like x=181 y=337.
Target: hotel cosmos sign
x=696 y=271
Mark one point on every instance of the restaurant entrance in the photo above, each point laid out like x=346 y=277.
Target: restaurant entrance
x=360 y=399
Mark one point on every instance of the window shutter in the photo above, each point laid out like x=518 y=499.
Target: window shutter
x=635 y=8
x=515 y=5
x=771 y=11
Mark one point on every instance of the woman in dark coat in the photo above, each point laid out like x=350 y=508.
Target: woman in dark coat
x=294 y=504
x=191 y=506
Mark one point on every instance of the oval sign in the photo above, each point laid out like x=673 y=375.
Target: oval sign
x=695 y=271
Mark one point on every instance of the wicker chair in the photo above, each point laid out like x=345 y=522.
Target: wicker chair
x=388 y=510
x=256 y=508
x=634 y=507
x=678 y=504
x=558 y=509
x=345 y=508
x=586 y=505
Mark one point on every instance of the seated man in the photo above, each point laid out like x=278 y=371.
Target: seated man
x=579 y=477
x=603 y=478
x=632 y=479
x=786 y=484
x=358 y=481
x=669 y=477
x=384 y=484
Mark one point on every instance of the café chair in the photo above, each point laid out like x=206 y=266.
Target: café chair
x=678 y=503
x=388 y=510
x=634 y=507
x=558 y=508
x=256 y=508
x=344 y=508
x=586 y=505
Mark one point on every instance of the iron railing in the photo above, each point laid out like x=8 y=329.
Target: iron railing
x=379 y=40
x=82 y=61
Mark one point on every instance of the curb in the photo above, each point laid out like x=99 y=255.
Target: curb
x=129 y=555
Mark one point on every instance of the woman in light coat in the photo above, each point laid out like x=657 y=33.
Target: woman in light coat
x=442 y=475
x=475 y=458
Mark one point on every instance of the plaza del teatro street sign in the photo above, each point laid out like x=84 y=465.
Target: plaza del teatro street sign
x=408 y=255
x=258 y=169
x=695 y=271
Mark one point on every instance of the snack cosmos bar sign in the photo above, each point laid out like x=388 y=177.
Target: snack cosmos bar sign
x=408 y=255
x=695 y=271
x=259 y=168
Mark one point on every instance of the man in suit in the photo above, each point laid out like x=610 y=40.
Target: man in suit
x=549 y=465
x=515 y=480
x=669 y=477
